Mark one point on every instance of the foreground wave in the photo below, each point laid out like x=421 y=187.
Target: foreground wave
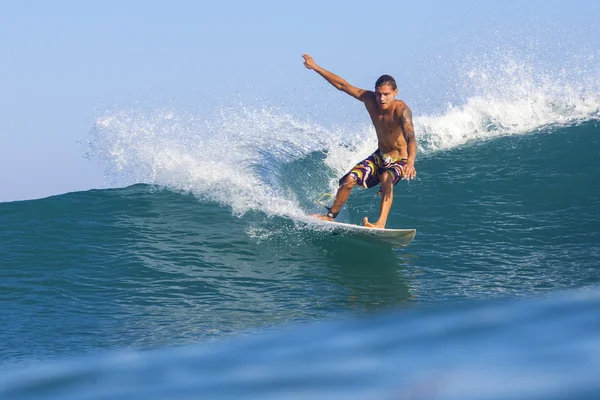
x=534 y=349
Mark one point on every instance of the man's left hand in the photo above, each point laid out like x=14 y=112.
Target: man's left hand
x=409 y=170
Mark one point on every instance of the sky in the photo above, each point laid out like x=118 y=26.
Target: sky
x=64 y=63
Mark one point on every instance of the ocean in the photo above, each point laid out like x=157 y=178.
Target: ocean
x=200 y=275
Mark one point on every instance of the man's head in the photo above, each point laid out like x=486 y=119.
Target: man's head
x=385 y=91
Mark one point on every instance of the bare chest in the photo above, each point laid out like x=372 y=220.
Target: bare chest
x=385 y=124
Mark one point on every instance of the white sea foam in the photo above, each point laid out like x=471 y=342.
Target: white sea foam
x=221 y=160
x=227 y=157
x=510 y=98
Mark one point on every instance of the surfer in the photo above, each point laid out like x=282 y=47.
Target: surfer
x=395 y=156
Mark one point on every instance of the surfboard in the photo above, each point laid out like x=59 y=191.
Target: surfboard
x=393 y=237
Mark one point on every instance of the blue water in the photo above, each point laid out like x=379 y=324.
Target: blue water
x=200 y=276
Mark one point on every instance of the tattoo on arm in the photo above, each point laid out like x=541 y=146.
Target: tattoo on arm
x=409 y=134
x=407 y=125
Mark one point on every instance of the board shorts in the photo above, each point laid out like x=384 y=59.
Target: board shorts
x=368 y=170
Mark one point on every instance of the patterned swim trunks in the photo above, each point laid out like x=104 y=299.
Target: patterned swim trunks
x=367 y=171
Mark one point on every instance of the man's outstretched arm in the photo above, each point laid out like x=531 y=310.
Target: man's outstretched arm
x=411 y=143
x=332 y=78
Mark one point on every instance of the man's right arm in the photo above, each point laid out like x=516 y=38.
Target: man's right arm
x=335 y=80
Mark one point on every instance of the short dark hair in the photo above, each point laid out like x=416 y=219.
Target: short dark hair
x=386 y=80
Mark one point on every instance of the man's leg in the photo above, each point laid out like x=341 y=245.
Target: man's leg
x=387 y=195
x=340 y=197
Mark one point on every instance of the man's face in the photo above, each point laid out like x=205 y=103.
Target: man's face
x=385 y=96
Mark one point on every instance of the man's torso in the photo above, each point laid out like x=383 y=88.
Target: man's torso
x=388 y=127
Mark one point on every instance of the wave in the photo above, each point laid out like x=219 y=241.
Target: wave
x=507 y=98
x=255 y=159
x=545 y=348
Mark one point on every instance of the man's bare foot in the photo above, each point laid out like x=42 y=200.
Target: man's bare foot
x=322 y=217
x=374 y=225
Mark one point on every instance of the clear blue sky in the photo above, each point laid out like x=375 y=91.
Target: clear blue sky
x=65 y=62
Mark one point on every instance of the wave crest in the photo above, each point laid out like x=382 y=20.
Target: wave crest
x=507 y=98
x=237 y=157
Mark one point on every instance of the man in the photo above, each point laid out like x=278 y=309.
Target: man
x=397 y=147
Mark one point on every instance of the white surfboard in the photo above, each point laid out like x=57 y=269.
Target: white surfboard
x=394 y=237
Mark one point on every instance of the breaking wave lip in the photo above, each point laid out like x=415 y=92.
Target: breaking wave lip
x=231 y=159
x=234 y=158
x=510 y=98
